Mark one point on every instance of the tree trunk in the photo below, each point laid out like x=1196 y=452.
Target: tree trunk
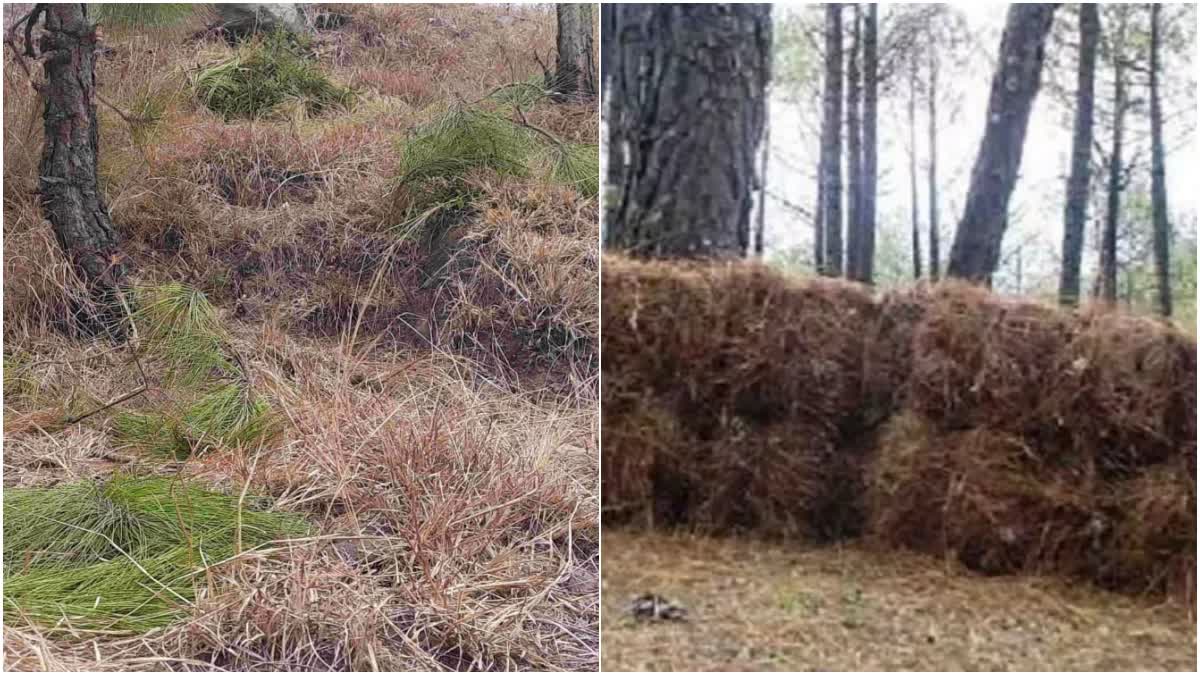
x=1158 y=171
x=1075 y=210
x=69 y=194
x=870 y=141
x=692 y=103
x=854 y=154
x=912 y=173
x=760 y=226
x=1108 y=243
x=831 y=141
x=819 y=221
x=976 y=249
x=614 y=125
x=576 y=75
x=935 y=254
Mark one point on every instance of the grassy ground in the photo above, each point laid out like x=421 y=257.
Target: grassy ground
x=436 y=386
x=759 y=606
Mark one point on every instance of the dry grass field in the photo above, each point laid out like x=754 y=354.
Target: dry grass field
x=761 y=606
x=418 y=359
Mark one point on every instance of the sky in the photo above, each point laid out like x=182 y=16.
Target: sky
x=1037 y=200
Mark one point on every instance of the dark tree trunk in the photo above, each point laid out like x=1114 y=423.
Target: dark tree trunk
x=912 y=173
x=854 y=154
x=69 y=193
x=976 y=249
x=1108 y=240
x=692 y=99
x=935 y=253
x=870 y=141
x=831 y=141
x=576 y=70
x=1075 y=210
x=1158 y=171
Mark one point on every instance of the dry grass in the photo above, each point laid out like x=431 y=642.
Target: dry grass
x=438 y=394
x=759 y=606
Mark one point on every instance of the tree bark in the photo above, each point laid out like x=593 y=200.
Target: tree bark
x=870 y=141
x=1108 y=240
x=760 y=225
x=831 y=141
x=819 y=221
x=692 y=99
x=1158 y=171
x=854 y=154
x=614 y=124
x=977 y=241
x=935 y=254
x=912 y=174
x=576 y=71
x=68 y=190
x=1075 y=210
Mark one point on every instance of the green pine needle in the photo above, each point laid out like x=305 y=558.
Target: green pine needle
x=225 y=417
x=123 y=554
x=264 y=75
x=142 y=15
x=177 y=323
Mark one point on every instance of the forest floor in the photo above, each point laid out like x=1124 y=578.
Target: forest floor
x=436 y=390
x=760 y=606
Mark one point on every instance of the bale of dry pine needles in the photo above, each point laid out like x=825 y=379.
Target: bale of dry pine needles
x=726 y=388
x=738 y=339
x=980 y=360
x=983 y=497
x=1153 y=543
x=1125 y=386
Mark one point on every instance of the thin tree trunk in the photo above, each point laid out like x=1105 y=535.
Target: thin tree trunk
x=1075 y=210
x=761 y=226
x=614 y=167
x=692 y=102
x=980 y=233
x=69 y=193
x=614 y=124
x=831 y=140
x=854 y=154
x=935 y=255
x=576 y=71
x=1158 y=171
x=1108 y=244
x=870 y=141
x=819 y=221
x=912 y=173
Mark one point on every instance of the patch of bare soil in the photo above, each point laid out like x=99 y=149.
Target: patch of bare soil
x=758 y=606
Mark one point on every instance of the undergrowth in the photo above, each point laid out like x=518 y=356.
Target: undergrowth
x=122 y=554
x=214 y=404
x=143 y=14
x=262 y=76
x=435 y=163
x=427 y=408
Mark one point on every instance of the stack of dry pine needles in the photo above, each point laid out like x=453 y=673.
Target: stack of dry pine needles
x=1013 y=436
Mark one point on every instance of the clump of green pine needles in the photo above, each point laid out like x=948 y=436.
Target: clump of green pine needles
x=490 y=135
x=262 y=76
x=144 y=14
x=214 y=404
x=124 y=554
